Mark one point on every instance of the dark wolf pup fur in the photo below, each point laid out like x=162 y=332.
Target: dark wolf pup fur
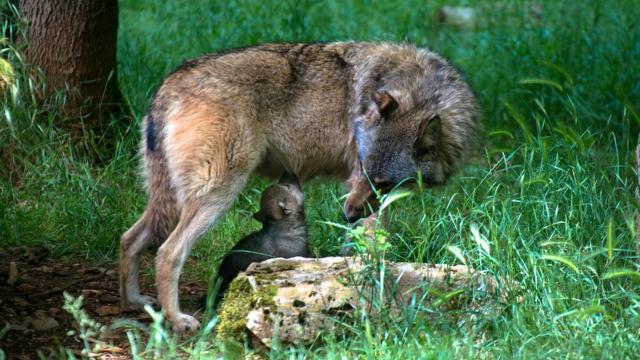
x=283 y=233
x=378 y=111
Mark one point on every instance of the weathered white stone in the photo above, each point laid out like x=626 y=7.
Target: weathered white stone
x=295 y=299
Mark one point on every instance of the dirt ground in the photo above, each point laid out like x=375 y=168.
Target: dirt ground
x=31 y=300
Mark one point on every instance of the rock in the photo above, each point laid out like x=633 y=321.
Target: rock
x=42 y=322
x=45 y=269
x=458 y=16
x=293 y=300
x=107 y=310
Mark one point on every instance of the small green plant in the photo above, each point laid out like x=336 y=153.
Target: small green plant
x=88 y=328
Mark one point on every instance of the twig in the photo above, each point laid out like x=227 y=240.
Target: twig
x=73 y=283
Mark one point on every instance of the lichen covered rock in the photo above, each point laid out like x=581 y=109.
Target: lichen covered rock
x=294 y=300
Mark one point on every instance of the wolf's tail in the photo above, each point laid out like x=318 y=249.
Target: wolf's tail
x=162 y=213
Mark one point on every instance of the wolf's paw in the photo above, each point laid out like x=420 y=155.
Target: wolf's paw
x=185 y=323
x=137 y=303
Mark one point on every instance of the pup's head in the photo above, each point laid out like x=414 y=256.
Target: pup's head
x=281 y=201
x=413 y=113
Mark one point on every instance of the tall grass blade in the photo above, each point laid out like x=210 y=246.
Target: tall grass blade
x=621 y=273
x=546 y=82
x=479 y=239
x=519 y=118
x=457 y=253
x=610 y=239
x=570 y=264
x=394 y=196
x=561 y=70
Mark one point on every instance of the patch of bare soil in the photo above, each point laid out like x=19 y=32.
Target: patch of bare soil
x=31 y=301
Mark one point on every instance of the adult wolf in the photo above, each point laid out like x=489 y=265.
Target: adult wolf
x=335 y=110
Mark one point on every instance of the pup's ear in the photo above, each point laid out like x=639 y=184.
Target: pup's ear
x=382 y=104
x=284 y=208
x=260 y=216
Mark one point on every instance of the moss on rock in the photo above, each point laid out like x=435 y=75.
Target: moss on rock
x=236 y=304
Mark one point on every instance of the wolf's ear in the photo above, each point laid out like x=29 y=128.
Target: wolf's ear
x=430 y=138
x=284 y=208
x=382 y=105
x=379 y=105
x=432 y=130
x=385 y=102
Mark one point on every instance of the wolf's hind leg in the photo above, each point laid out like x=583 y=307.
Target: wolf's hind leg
x=196 y=218
x=132 y=244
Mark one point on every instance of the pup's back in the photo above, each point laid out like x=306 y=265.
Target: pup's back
x=283 y=233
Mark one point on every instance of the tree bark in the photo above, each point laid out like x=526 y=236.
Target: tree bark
x=74 y=44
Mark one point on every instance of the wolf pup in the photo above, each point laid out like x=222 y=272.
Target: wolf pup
x=283 y=233
x=384 y=110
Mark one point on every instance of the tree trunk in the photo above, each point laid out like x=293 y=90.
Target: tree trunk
x=74 y=44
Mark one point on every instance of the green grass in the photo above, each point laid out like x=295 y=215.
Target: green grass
x=551 y=193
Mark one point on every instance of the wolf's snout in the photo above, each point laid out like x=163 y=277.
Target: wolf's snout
x=351 y=213
x=360 y=203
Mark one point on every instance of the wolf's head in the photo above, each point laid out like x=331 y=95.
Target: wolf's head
x=412 y=114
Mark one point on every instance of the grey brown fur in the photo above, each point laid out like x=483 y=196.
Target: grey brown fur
x=283 y=233
x=374 y=111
